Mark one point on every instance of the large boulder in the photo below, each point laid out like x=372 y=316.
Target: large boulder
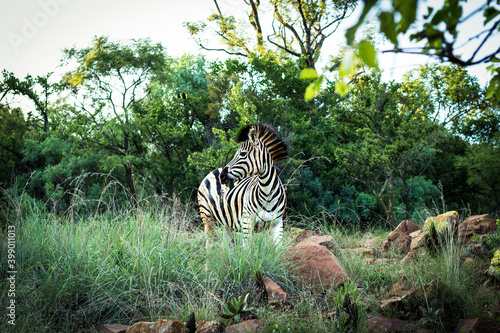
x=247 y=326
x=477 y=224
x=316 y=267
x=441 y=222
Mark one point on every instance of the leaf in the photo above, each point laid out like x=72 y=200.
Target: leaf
x=341 y=88
x=367 y=53
x=490 y=13
x=388 y=27
x=308 y=73
x=310 y=92
x=347 y=64
x=351 y=32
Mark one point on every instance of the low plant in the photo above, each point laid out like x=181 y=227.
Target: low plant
x=235 y=307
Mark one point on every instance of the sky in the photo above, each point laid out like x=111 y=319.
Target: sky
x=33 y=33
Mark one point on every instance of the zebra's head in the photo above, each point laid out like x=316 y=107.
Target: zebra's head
x=261 y=148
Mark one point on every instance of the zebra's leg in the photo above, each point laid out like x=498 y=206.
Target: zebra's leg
x=209 y=227
x=277 y=230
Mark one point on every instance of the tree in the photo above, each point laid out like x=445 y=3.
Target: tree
x=13 y=131
x=37 y=90
x=110 y=79
x=482 y=162
x=441 y=30
x=299 y=28
x=382 y=136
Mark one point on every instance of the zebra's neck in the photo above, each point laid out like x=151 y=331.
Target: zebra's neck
x=267 y=179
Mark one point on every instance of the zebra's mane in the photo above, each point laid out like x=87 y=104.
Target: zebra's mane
x=276 y=147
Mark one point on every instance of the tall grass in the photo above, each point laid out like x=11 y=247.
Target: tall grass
x=77 y=272
x=136 y=265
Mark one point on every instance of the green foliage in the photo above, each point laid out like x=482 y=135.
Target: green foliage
x=236 y=306
x=482 y=165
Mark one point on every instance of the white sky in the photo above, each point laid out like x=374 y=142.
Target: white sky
x=34 y=32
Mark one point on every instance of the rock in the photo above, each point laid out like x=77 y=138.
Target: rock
x=299 y=235
x=391 y=305
x=316 y=266
x=383 y=324
x=162 y=325
x=324 y=240
x=448 y=219
x=418 y=239
x=247 y=326
x=399 y=239
x=428 y=291
x=113 y=328
x=409 y=258
x=275 y=294
x=477 y=325
x=400 y=289
x=172 y=326
x=396 y=241
x=411 y=297
x=494 y=269
x=407 y=227
x=477 y=224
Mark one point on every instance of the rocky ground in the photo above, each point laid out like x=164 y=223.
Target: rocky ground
x=314 y=263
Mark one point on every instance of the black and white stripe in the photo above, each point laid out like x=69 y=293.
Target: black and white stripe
x=247 y=194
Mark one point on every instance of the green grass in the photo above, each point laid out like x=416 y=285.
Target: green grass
x=74 y=275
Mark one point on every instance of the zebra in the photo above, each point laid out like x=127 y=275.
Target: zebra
x=247 y=194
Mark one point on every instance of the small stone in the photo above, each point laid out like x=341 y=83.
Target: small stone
x=275 y=294
x=247 y=326
x=113 y=328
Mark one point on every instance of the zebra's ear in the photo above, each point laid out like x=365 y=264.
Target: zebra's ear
x=252 y=136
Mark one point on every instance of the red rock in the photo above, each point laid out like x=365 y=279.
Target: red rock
x=418 y=239
x=324 y=240
x=398 y=241
x=275 y=294
x=163 y=325
x=172 y=326
x=477 y=325
x=399 y=289
x=303 y=234
x=247 y=326
x=383 y=324
x=477 y=224
x=316 y=266
x=407 y=227
x=113 y=328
